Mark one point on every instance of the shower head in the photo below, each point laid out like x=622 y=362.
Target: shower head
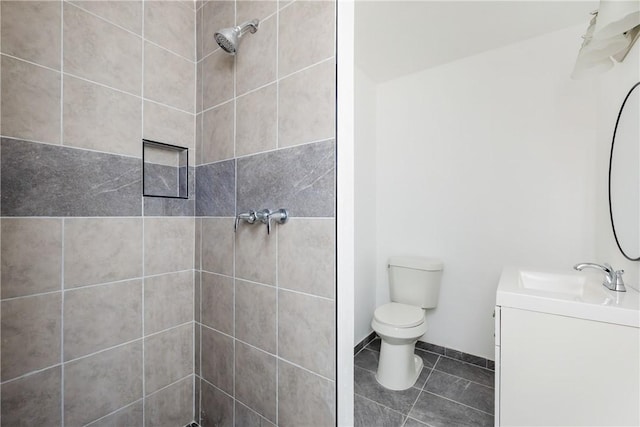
x=229 y=38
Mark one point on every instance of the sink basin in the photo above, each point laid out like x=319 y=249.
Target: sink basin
x=574 y=287
x=567 y=293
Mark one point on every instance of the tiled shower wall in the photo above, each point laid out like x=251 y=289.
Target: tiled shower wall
x=265 y=304
x=96 y=283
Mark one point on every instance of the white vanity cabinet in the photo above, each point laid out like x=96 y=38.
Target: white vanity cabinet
x=567 y=352
x=555 y=370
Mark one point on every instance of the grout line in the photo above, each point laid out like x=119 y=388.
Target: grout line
x=235 y=204
x=308 y=67
x=28 y=374
x=17 y=58
x=380 y=404
x=142 y=54
x=113 y=412
x=459 y=403
x=62 y=225
x=72 y=147
x=140 y=36
x=62 y=298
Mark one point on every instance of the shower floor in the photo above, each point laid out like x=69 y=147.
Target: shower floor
x=449 y=392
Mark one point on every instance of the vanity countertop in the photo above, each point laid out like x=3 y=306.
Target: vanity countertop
x=567 y=293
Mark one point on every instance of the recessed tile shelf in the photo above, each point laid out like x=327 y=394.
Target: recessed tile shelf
x=165 y=170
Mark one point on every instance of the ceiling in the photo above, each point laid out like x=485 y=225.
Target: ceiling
x=395 y=38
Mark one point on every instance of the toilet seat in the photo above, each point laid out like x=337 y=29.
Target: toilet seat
x=399 y=315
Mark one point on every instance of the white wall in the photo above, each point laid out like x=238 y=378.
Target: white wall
x=365 y=204
x=485 y=162
x=613 y=86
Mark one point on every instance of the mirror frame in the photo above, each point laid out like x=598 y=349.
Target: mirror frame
x=613 y=141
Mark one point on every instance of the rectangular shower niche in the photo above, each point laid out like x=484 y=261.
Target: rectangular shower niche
x=165 y=170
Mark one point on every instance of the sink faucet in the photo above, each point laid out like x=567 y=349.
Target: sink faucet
x=612 y=278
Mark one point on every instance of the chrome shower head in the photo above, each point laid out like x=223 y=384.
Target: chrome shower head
x=229 y=38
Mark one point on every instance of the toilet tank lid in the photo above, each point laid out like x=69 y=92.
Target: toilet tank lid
x=416 y=262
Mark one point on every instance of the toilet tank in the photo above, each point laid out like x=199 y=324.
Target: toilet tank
x=415 y=280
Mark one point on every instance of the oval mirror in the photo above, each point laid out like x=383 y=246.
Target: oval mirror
x=624 y=176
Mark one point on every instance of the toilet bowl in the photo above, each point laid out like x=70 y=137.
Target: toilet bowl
x=399 y=327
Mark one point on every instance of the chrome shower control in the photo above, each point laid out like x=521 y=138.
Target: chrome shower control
x=249 y=217
x=280 y=216
x=265 y=216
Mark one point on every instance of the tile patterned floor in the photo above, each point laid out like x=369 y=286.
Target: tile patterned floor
x=449 y=392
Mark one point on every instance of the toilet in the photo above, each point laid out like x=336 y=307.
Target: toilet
x=414 y=284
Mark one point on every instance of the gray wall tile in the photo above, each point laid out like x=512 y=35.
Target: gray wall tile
x=169 y=78
x=128 y=416
x=168 y=244
x=256 y=380
x=218 y=240
x=304 y=398
x=33 y=400
x=217 y=407
x=31 y=256
x=100 y=250
x=256 y=121
x=101 y=52
x=218 y=359
x=31 y=31
x=217 y=14
x=250 y=9
x=217 y=73
x=256 y=253
x=168 y=357
x=100 y=317
x=171 y=25
x=218 y=133
x=196 y=346
x=255 y=315
x=157 y=206
x=30 y=334
x=306 y=256
x=99 y=118
x=164 y=124
x=127 y=14
x=245 y=417
x=215 y=189
x=299 y=49
x=45 y=180
x=172 y=406
x=301 y=179
x=306 y=105
x=168 y=301
x=256 y=66
x=97 y=385
x=30 y=94
x=217 y=302
x=197 y=244
x=306 y=332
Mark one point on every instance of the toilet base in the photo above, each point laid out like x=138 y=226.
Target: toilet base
x=398 y=368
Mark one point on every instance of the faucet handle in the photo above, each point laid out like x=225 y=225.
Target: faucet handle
x=280 y=216
x=618 y=281
x=250 y=217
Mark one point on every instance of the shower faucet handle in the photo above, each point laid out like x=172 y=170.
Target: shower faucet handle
x=249 y=217
x=280 y=216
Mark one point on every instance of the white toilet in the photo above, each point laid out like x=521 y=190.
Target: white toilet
x=414 y=283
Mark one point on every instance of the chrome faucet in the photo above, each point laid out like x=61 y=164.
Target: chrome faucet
x=612 y=278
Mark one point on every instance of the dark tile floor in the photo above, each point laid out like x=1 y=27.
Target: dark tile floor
x=449 y=392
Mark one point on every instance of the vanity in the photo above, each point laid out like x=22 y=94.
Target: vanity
x=567 y=350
